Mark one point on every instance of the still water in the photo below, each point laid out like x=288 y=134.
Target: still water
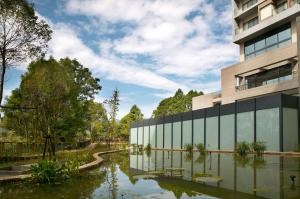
x=123 y=175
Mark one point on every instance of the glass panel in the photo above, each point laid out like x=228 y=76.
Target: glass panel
x=140 y=135
x=285 y=43
x=160 y=136
x=140 y=165
x=133 y=161
x=212 y=133
x=245 y=127
x=260 y=45
x=290 y=129
x=146 y=135
x=249 y=49
x=227 y=132
x=187 y=132
x=199 y=131
x=152 y=136
x=133 y=136
x=285 y=34
x=271 y=40
x=267 y=128
x=168 y=136
x=177 y=135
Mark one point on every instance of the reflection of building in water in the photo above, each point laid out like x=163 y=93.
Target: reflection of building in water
x=266 y=176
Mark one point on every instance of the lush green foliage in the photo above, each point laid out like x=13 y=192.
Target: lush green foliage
x=48 y=172
x=22 y=35
x=258 y=147
x=242 y=148
x=59 y=93
x=134 y=114
x=200 y=147
x=189 y=148
x=176 y=104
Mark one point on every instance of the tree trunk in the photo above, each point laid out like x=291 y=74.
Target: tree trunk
x=3 y=70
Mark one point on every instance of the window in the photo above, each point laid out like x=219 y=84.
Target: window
x=250 y=23
x=266 y=12
x=281 y=7
x=248 y=3
x=271 y=76
x=274 y=39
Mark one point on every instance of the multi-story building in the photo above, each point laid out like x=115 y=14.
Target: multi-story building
x=267 y=32
x=259 y=97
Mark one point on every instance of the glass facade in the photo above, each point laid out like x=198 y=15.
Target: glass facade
x=278 y=132
x=153 y=136
x=186 y=132
x=160 y=136
x=199 y=131
x=227 y=132
x=177 y=135
x=140 y=135
x=290 y=129
x=133 y=136
x=168 y=136
x=245 y=127
x=267 y=128
x=212 y=131
x=274 y=39
x=146 y=136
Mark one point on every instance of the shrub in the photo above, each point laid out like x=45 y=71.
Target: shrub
x=45 y=172
x=242 y=148
x=200 y=147
x=49 y=172
x=258 y=147
x=189 y=148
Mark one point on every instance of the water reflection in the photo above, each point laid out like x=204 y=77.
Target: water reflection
x=266 y=177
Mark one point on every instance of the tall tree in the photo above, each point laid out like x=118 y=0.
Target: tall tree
x=113 y=104
x=176 y=104
x=59 y=92
x=134 y=114
x=23 y=35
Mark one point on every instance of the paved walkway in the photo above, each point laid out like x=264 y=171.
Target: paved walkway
x=18 y=175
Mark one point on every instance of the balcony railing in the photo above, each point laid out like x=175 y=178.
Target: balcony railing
x=267 y=82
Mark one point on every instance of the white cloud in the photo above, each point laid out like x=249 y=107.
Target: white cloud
x=66 y=43
x=185 y=48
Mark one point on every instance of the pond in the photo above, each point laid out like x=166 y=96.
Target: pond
x=175 y=175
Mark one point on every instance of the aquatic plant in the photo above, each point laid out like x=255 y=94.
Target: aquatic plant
x=242 y=148
x=200 y=147
x=189 y=148
x=49 y=172
x=258 y=147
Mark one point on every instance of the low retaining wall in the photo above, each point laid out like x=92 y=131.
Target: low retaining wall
x=92 y=165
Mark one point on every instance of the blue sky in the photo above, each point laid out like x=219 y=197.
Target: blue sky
x=145 y=48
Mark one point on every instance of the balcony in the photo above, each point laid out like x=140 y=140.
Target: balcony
x=267 y=77
x=248 y=8
x=262 y=27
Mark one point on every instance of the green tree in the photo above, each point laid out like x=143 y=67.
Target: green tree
x=134 y=114
x=99 y=123
x=22 y=35
x=176 y=104
x=113 y=104
x=59 y=93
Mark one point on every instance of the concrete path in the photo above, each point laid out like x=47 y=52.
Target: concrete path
x=18 y=175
